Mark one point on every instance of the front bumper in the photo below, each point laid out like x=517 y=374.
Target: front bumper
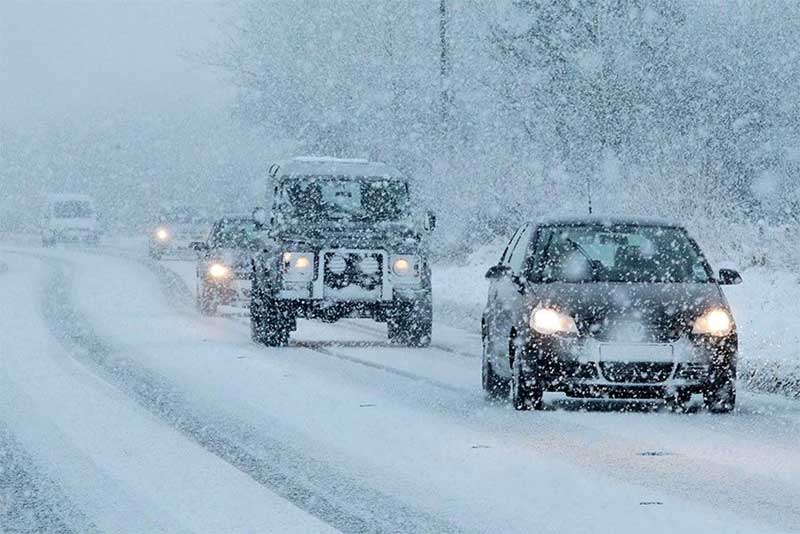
x=588 y=367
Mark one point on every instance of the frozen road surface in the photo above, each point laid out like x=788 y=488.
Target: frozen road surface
x=124 y=410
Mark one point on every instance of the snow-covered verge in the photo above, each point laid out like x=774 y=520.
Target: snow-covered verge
x=766 y=308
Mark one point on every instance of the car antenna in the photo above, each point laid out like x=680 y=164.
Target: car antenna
x=589 y=192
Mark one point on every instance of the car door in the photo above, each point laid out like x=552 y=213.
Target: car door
x=505 y=297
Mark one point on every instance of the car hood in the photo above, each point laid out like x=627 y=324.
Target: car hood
x=639 y=312
x=81 y=223
x=398 y=237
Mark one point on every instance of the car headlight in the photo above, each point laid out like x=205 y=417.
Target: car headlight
x=217 y=270
x=715 y=322
x=405 y=266
x=162 y=234
x=298 y=266
x=549 y=321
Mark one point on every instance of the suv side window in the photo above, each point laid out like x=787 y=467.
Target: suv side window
x=517 y=258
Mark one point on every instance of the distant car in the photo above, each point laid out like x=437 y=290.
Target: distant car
x=69 y=217
x=623 y=308
x=344 y=241
x=177 y=227
x=224 y=265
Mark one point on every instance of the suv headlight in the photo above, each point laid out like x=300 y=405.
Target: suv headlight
x=405 y=270
x=405 y=265
x=297 y=266
x=549 y=322
x=715 y=322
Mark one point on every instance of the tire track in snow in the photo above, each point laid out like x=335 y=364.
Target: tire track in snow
x=598 y=451
x=30 y=502
x=311 y=485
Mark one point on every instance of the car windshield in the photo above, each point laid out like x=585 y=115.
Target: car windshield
x=323 y=199
x=626 y=253
x=241 y=233
x=184 y=215
x=73 y=209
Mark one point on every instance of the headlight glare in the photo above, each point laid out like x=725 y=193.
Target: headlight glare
x=217 y=270
x=405 y=266
x=715 y=322
x=549 y=322
x=162 y=234
x=298 y=266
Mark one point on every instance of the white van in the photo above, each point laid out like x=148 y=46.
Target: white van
x=69 y=218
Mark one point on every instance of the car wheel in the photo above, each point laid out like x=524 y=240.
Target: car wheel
x=526 y=394
x=411 y=325
x=156 y=254
x=679 y=400
x=494 y=386
x=206 y=301
x=268 y=326
x=720 y=397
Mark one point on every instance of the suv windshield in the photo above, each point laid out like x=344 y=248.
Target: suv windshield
x=626 y=253
x=73 y=209
x=322 y=199
x=235 y=233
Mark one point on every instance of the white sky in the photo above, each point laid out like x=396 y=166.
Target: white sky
x=66 y=57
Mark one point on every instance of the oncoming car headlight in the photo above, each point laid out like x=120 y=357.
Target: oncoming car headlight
x=714 y=322
x=405 y=266
x=162 y=234
x=297 y=266
x=217 y=270
x=549 y=322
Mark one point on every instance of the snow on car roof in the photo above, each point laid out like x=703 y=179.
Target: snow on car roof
x=68 y=197
x=608 y=220
x=327 y=166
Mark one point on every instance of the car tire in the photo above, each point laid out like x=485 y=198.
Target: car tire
x=495 y=387
x=155 y=254
x=679 y=401
x=268 y=325
x=206 y=302
x=526 y=393
x=411 y=325
x=720 y=397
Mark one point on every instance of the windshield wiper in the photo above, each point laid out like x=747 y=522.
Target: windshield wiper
x=592 y=263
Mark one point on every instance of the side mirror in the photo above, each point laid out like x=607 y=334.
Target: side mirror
x=199 y=246
x=430 y=221
x=729 y=277
x=496 y=272
x=260 y=216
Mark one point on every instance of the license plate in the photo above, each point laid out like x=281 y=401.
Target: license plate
x=636 y=352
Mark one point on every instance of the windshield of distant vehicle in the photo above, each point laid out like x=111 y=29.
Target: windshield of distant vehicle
x=324 y=199
x=235 y=233
x=73 y=209
x=184 y=215
x=625 y=253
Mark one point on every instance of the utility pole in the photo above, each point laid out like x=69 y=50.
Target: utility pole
x=445 y=67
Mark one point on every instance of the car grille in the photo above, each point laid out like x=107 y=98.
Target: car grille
x=636 y=372
x=361 y=269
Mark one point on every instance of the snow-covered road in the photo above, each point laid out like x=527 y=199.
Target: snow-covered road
x=123 y=410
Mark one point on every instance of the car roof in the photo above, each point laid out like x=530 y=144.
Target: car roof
x=68 y=197
x=236 y=217
x=615 y=220
x=327 y=166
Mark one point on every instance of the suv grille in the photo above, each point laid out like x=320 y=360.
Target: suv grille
x=362 y=269
x=636 y=373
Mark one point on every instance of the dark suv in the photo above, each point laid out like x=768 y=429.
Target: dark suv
x=624 y=308
x=341 y=240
